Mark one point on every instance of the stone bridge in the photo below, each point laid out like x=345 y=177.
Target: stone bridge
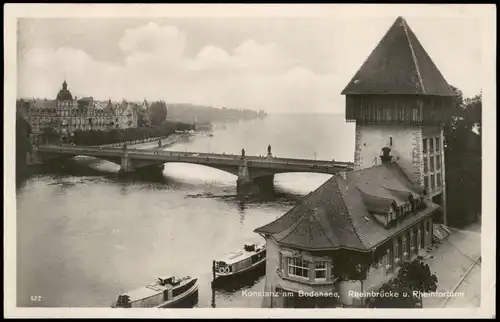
x=248 y=169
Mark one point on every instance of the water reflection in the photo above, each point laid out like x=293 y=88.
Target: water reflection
x=189 y=302
x=227 y=286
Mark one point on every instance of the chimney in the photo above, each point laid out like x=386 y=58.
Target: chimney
x=386 y=157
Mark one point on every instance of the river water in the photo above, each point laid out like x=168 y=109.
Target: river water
x=84 y=235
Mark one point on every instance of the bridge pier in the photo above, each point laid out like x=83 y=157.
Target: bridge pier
x=259 y=186
x=126 y=164
x=247 y=185
x=33 y=157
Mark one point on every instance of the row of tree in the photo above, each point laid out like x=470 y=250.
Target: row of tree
x=158 y=113
x=463 y=160
x=23 y=146
x=131 y=134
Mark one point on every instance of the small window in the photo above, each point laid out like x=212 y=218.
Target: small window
x=426 y=165
x=438 y=177
x=426 y=182
x=431 y=145
x=438 y=162
x=320 y=270
x=390 y=257
x=425 y=145
x=432 y=163
x=433 y=182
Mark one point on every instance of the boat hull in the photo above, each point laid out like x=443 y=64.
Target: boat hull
x=188 y=296
x=180 y=299
x=254 y=266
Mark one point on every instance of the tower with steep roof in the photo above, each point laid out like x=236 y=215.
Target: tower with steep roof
x=398 y=100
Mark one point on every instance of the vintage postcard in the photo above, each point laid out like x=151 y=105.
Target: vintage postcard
x=238 y=160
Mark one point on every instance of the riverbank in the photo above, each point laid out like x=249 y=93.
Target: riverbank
x=166 y=141
x=133 y=142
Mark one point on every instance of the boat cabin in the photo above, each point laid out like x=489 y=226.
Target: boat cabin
x=163 y=292
x=238 y=261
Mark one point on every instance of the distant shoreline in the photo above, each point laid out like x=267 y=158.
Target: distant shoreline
x=303 y=114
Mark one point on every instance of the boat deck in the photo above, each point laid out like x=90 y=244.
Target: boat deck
x=145 y=292
x=240 y=254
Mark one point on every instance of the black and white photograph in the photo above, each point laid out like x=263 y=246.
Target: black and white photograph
x=192 y=158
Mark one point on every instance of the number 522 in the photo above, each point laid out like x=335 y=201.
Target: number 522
x=35 y=298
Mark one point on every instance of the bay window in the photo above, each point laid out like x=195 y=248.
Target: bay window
x=298 y=267
x=320 y=270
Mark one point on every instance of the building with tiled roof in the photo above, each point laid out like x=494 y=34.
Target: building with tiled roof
x=399 y=101
x=66 y=114
x=399 y=65
x=375 y=215
x=354 y=231
x=126 y=115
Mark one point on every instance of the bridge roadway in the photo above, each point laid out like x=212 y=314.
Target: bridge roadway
x=220 y=161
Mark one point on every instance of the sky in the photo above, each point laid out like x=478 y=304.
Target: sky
x=277 y=64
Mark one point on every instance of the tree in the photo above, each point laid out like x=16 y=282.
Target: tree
x=49 y=135
x=158 y=112
x=393 y=294
x=416 y=275
x=462 y=133
x=23 y=145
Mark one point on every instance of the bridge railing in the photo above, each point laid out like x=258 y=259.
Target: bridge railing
x=196 y=155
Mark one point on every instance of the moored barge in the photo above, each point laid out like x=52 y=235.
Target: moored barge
x=166 y=292
x=250 y=257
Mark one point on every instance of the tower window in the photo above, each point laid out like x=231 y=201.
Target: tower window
x=431 y=145
x=415 y=115
x=438 y=144
x=426 y=165
x=438 y=162
x=425 y=145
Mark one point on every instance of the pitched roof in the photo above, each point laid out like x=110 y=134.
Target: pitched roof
x=337 y=215
x=399 y=64
x=43 y=104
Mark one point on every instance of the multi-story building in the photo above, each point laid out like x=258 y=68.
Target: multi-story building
x=66 y=114
x=354 y=232
x=126 y=115
x=40 y=114
x=144 y=113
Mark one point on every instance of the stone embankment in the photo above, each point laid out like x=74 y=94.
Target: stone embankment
x=133 y=142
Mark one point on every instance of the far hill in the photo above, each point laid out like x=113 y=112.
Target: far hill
x=188 y=113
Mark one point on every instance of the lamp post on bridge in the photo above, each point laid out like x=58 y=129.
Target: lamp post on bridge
x=315 y=155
